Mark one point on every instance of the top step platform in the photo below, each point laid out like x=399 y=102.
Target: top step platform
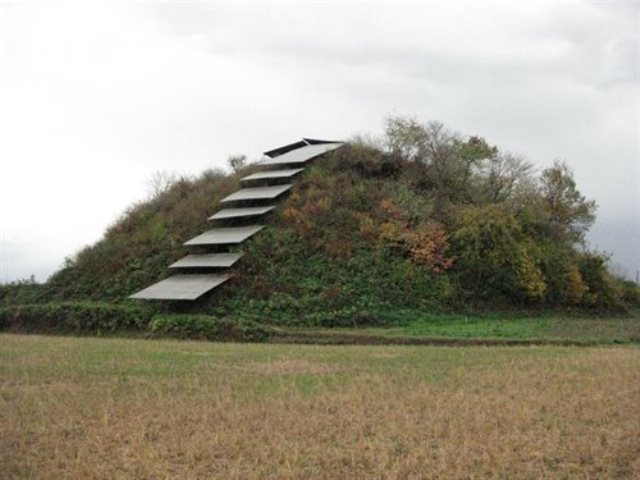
x=302 y=155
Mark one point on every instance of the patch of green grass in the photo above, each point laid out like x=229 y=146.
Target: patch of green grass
x=261 y=368
x=621 y=329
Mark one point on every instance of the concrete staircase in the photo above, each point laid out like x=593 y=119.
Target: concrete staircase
x=199 y=273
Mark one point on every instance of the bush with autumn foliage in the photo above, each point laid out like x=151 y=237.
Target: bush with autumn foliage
x=421 y=219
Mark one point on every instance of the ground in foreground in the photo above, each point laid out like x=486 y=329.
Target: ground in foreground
x=122 y=408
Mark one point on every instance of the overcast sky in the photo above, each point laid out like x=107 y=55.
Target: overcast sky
x=94 y=98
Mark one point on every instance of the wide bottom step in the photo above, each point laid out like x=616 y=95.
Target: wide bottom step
x=181 y=287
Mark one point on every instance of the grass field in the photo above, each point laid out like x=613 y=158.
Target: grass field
x=125 y=408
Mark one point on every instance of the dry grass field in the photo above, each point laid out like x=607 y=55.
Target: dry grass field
x=119 y=408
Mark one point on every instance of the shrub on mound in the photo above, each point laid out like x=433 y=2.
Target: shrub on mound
x=209 y=328
x=101 y=318
x=74 y=317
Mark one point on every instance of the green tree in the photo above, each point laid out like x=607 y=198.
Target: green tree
x=570 y=214
x=561 y=273
x=492 y=257
x=601 y=289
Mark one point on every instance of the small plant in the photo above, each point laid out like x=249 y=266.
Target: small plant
x=237 y=162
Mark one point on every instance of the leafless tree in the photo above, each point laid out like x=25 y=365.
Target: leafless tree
x=159 y=182
x=502 y=173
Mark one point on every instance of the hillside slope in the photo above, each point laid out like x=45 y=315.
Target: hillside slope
x=426 y=220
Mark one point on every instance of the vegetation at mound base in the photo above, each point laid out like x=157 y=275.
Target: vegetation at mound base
x=410 y=327
x=421 y=219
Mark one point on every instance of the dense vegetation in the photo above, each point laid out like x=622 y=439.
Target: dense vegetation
x=421 y=219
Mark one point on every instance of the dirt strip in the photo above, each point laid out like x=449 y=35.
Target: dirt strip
x=350 y=339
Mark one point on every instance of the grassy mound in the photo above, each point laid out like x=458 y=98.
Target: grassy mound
x=426 y=220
